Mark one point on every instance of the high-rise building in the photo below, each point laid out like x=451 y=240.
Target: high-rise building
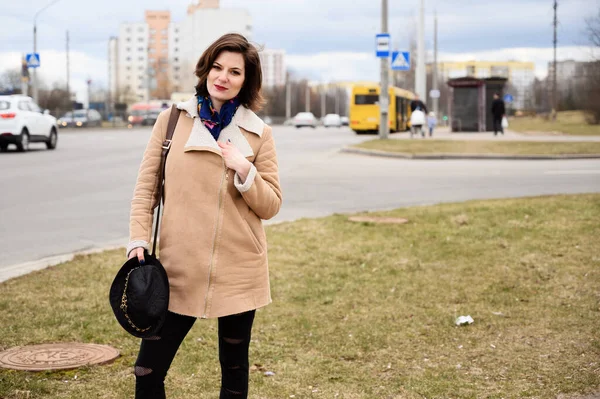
x=520 y=75
x=203 y=24
x=141 y=57
x=157 y=57
x=273 y=67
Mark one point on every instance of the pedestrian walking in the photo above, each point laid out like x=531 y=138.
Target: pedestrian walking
x=498 y=112
x=431 y=122
x=418 y=104
x=418 y=110
x=417 y=121
x=221 y=179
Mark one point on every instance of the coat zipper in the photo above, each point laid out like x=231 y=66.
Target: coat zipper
x=225 y=177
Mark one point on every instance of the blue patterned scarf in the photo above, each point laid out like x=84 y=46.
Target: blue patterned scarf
x=213 y=120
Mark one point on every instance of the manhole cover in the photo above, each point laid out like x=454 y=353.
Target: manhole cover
x=378 y=219
x=56 y=356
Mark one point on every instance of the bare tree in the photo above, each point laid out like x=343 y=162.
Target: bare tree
x=590 y=87
x=56 y=100
x=126 y=95
x=10 y=81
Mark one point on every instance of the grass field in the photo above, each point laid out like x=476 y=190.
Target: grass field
x=481 y=147
x=364 y=311
x=567 y=122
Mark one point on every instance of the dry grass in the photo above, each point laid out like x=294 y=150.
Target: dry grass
x=481 y=147
x=567 y=122
x=365 y=311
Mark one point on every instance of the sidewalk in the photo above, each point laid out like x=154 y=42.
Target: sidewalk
x=443 y=133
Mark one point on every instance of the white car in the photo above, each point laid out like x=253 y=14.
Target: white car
x=22 y=122
x=332 y=120
x=305 y=119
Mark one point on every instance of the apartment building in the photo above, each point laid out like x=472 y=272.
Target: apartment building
x=156 y=57
x=520 y=75
x=273 y=67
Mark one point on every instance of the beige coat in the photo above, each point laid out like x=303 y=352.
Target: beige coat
x=212 y=242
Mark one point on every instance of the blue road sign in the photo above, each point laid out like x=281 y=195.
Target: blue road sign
x=382 y=45
x=401 y=61
x=508 y=98
x=33 y=60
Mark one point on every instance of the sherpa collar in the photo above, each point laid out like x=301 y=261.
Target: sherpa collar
x=202 y=140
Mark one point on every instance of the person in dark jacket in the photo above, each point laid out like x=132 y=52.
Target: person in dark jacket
x=498 y=112
x=418 y=104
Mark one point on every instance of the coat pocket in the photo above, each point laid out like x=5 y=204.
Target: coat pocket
x=253 y=236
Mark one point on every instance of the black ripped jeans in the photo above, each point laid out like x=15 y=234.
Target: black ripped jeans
x=156 y=355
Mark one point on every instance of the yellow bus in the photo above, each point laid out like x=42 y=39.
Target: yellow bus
x=364 y=109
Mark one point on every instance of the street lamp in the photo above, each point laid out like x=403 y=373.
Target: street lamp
x=35 y=81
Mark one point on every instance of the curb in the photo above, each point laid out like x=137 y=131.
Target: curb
x=24 y=268
x=404 y=155
x=21 y=269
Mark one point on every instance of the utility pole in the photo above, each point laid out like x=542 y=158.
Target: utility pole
x=323 y=98
x=435 y=66
x=35 y=81
x=288 y=97
x=421 y=77
x=384 y=128
x=307 y=98
x=336 y=92
x=89 y=92
x=554 y=92
x=68 y=71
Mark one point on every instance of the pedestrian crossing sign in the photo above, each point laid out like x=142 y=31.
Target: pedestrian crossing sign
x=401 y=61
x=33 y=60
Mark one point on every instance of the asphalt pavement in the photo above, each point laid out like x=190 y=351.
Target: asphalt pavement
x=76 y=198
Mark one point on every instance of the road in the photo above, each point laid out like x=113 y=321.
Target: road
x=77 y=197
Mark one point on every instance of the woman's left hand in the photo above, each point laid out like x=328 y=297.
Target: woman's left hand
x=234 y=159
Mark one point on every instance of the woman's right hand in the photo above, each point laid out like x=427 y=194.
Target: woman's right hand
x=139 y=253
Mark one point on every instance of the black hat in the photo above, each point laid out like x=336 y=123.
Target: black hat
x=139 y=296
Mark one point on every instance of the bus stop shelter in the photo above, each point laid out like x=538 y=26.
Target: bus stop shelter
x=470 y=102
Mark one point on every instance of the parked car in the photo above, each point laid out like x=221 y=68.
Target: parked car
x=345 y=121
x=81 y=118
x=305 y=119
x=23 y=122
x=332 y=120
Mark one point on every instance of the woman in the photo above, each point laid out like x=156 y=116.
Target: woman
x=221 y=179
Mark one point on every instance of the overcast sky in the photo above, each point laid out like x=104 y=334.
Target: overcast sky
x=324 y=39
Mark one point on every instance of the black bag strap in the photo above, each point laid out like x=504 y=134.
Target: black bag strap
x=166 y=146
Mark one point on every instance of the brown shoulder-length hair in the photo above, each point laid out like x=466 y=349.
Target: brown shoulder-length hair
x=250 y=95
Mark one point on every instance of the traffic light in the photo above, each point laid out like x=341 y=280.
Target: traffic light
x=24 y=71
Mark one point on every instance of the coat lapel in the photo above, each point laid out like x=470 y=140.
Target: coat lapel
x=201 y=140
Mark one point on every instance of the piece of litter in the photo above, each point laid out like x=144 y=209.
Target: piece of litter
x=464 y=320
x=269 y=373
x=493 y=346
x=498 y=313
